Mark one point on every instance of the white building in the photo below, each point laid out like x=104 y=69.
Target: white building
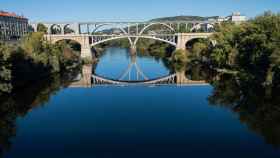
x=235 y=17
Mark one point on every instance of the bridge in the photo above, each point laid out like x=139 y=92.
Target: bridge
x=90 y=34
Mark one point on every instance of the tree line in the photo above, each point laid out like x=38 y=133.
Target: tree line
x=250 y=50
x=33 y=58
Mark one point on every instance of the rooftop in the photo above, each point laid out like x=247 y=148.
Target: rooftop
x=7 y=14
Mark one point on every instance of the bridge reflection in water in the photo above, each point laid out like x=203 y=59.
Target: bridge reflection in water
x=87 y=80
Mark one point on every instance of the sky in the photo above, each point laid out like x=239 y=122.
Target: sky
x=132 y=10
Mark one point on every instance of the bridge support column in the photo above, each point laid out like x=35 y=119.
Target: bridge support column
x=77 y=28
x=86 y=48
x=62 y=30
x=86 y=52
x=183 y=38
x=49 y=30
x=181 y=41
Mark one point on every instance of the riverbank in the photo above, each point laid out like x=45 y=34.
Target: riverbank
x=250 y=51
x=33 y=59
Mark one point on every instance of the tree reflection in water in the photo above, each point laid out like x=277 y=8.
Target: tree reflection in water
x=20 y=102
x=257 y=107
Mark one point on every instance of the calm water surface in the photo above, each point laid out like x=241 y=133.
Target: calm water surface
x=116 y=61
x=140 y=121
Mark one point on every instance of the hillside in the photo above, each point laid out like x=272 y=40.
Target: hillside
x=185 y=18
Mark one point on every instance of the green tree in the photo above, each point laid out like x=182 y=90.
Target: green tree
x=179 y=59
x=42 y=28
x=251 y=47
x=199 y=50
x=5 y=69
x=68 y=30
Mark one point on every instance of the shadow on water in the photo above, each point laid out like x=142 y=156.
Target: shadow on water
x=258 y=107
x=22 y=101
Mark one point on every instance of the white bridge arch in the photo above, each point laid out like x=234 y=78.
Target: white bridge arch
x=156 y=23
x=98 y=39
x=137 y=35
x=87 y=41
x=133 y=31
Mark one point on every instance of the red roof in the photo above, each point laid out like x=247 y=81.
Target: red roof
x=7 y=14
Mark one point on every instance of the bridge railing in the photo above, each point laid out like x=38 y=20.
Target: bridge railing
x=131 y=27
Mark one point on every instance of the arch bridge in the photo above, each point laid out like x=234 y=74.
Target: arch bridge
x=89 y=34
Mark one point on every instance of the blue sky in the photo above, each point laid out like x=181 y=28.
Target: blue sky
x=132 y=10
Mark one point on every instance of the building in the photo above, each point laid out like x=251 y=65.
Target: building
x=12 y=26
x=236 y=17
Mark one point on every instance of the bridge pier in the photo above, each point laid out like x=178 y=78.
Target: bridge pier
x=85 y=47
x=183 y=38
x=86 y=52
x=181 y=41
x=83 y=40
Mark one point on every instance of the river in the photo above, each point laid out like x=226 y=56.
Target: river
x=68 y=121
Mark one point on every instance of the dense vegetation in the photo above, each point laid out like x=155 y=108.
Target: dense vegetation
x=251 y=50
x=32 y=59
x=248 y=55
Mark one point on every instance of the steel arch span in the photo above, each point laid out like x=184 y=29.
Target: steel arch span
x=170 y=39
x=178 y=40
x=150 y=25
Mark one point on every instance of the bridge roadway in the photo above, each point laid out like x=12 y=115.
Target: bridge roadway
x=135 y=27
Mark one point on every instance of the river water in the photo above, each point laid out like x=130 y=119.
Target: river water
x=54 y=121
